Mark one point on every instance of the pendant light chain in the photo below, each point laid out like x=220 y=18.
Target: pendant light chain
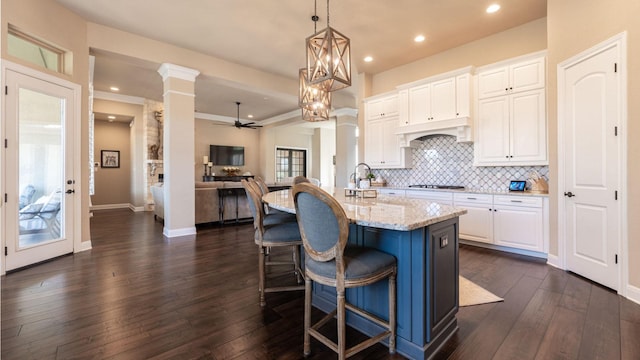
x=327 y=13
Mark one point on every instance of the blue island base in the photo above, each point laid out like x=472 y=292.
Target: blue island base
x=427 y=286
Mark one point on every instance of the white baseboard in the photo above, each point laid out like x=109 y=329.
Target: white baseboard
x=136 y=208
x=110 y=206
x=173 y=233
x=84 y=246
x=505 y=249
x=633 y=294
x=554 y=261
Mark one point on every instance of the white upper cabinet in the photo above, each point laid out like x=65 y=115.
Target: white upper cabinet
x=512 y=78
x=511 y=115
x=382 y=148
x=383 y=107
x=443 y=98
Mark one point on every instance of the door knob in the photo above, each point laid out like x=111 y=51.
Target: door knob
x=569 y=194
x=70 y=191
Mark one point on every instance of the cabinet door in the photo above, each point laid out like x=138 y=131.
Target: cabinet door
x=528 y=127
x=463 y=95
x=477 y=223
x=493 y=82
x=492 y=143
x=382 y=107
x=390 y=106
x=419 y=106
x=527 y=75
x=443 y=99
x=518 y=227
x=373 y=109
x=373 y=151
x=391 y=151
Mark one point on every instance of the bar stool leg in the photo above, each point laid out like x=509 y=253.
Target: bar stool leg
x=261 y=270
x=341 y=314
x=392 y=313
x=307 y=317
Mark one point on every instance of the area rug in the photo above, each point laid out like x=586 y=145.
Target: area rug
x=472 y=294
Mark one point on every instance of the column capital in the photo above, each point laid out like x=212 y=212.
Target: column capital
x=167 y=70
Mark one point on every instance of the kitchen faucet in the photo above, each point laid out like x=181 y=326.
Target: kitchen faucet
x=355 y=173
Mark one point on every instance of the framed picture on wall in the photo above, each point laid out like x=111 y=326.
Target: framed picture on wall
x=110 y=158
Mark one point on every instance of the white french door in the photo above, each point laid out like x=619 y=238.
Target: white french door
x=591 y=114
x=38 y=168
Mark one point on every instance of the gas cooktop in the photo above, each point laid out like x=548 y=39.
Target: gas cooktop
x=429 y=186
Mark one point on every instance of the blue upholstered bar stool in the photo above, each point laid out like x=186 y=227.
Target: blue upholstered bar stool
x=329 y=261
x=271 y=215
x=271 y=235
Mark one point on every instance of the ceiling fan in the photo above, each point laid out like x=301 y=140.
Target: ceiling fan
x=238 y=124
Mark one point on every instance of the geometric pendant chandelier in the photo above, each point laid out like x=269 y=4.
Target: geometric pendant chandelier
x=329 y=58
x=314 y=101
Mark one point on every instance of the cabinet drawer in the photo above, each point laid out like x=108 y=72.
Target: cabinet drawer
x=437 y=196
x=514 y=200
x=391 y=192
x=484 y=199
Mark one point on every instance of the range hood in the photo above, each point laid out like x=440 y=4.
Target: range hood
x=461 y=128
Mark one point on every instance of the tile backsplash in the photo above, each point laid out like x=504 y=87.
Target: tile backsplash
x=440 y=160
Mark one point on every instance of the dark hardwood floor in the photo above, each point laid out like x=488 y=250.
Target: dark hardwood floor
x=136 y=295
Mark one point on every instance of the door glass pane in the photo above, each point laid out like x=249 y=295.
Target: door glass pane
x=41 y=167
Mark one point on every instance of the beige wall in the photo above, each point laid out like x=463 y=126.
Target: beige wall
x=136 y=191
x=517 y=41
x=210 y=133
x=574 y=26
x=48 y=20
x=290 y=136
x=112 y=184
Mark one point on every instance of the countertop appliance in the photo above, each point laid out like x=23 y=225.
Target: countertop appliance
x=430 y=186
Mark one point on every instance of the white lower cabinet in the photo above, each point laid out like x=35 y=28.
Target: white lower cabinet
x=505 y=220
x=477 y=223
x=518 y=222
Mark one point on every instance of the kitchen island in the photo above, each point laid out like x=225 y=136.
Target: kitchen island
x=423 y=236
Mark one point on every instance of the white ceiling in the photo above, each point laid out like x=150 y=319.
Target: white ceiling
x=270 y=35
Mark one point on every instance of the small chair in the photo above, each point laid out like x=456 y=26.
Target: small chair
x=271 y=235
x=324 y=227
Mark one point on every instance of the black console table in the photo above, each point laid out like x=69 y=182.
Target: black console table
x=227 y=192
x=226 y=178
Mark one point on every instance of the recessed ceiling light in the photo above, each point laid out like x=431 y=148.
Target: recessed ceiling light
x=114 y=88
x=493 y=8
x=368 y=59
x=111 y=117
x=419 y=38
x=250 y=116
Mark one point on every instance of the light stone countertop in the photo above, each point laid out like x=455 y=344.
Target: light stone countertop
x=384 y=212
x=471 y=191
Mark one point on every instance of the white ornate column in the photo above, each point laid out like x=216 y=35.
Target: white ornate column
x=178 y=138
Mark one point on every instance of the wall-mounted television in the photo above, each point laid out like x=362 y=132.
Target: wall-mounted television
x=226 y=155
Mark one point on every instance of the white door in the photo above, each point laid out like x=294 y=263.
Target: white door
x=591 y=115
x=38 y=170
